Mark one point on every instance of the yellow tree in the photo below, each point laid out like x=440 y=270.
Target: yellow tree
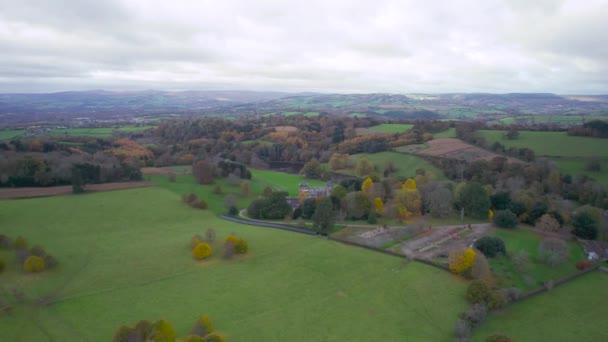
x=490 y=214
x=379 y=205
x=461 y=260
x=410 y=184
x=368 y=185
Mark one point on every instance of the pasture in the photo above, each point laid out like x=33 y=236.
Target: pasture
x=406 y=164
x=551 y=144
x=11 y=133
x=571 y=312
x=96 y=131
x=391 y=128
x=523 y=239
x=124 y=256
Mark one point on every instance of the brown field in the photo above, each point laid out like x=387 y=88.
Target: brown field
x=456 y=149
x=13 y=193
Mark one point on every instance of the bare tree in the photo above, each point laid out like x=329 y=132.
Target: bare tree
x=553 y=251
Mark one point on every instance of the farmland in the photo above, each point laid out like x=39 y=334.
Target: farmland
x=108 y=276
x=95 y=132
x=406 y=164
x=391 y=128
x=11 y=133
x=570 y=312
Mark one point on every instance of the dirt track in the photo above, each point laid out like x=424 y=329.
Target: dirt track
x=12 y=193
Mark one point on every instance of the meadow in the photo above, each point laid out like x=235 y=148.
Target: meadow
x=524 y=239
x=391 y=128
x=406 y=164
x=96 y=131
x=551 y=144
x=11 y=133
x=571 y=312
x=124 y=256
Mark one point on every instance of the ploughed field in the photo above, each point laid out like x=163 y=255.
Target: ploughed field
x=124 y=256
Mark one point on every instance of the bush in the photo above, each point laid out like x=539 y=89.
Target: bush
x=20 y=242
x=461 y=260
x=232 y=238
x=241 y=246
x=479 y=292
x=217 y=189
x=162 y=331
x=491 y=246
x=499 y=338
x=462 y=331
x=505 y=219
x=475 y=315
x=195 y=240
x=553 y=251
x=202 y=327
x=193 y=338
x=201 y=251
x=228 y=249
x=583 y=264
x=5 y=241
x=38 y=251
x=371 y=218
x=202 y=205
x=34 y=264
x=510 y=294
x=233 y=211
x=214 y=337
x=50 y=261
x=210 y=235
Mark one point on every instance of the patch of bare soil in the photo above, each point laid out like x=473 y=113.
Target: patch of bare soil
x=453 y=148
x=13 y=193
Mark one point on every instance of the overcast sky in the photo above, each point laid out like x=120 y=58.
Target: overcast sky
x=315 y=45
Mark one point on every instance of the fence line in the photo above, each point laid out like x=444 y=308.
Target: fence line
x=269 y=225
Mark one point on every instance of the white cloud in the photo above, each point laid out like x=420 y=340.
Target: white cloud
x=332 y=46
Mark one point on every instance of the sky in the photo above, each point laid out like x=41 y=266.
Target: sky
x=336 y=46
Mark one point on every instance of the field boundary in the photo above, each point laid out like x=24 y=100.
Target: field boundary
x=556 y=283
x=30 y=192
x=268 y=224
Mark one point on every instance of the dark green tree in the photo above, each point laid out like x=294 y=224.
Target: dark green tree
x=585 y=226
x=324 y=216
x=308 y=208
x=475 y=200
x=313 y=170
x=505 y=219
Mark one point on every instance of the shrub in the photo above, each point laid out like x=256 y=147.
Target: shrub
x=34 y=264
x=521 y=261
x=195 y=240
x=214 y=337
x=241 y=246
x=5 y=241
x=50 y=261
x=189 y=198
x=232 y=238
x=202 y=327
x=553 y=251
x=202 y=204
x=233 y=211
x=122 y=334
x=193 y=338
x=201 y=251
x=510 y=294
x=20 y=242
x=505 y=219
x=462 y=331
x=228 y=249
x=162 y=331
x=491 y=246
x=38 y=251
x=583 y=264
x=217 y=189
x=371 y=218
x=210 y=234
x=461 y=260
x=499 y=338
x=475 y=315
x=479 y=292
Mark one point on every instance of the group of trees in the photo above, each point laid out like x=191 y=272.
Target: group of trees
x=201 y=246
x=32 y=260
x=205 y=170
x=162 y=330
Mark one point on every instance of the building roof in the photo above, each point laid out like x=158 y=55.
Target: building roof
x=599 y=248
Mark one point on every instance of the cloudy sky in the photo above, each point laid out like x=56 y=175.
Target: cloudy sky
x=340 y=46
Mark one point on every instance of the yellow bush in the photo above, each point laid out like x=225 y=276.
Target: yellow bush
x=410 y=184
x=461 y=260
x=232 y=238
x=241 y=246
x=214 y=337
x=34 y=264
x=162 y=331
x=196 y=239
x=201 y=251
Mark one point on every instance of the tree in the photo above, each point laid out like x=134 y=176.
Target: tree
x=367 y=185
x=241 y=246
x=585 y=226
x=481 y=268
x=217 y=189
x=512 y=133
x=409 y=184
x=357 y=205
x=308 y=208
x=408 y=203
x=364 y=167
x=202 y=327
x=479 y=292
x=505 y=219
x=34 y=264
x=203 y=171
x=210 y=234
x=162 y=330
x=338 y=161
x=201 y=251
x=553 y=251
x=475 y=200
x=438 y=202
x=312 y=170
x=245 y=188
x=491 y=246
x=461 y=260
x=547 y=223
x=379 y=205
x=324 y=217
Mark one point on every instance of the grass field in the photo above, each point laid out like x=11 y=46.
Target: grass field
x=97 y=131
x=552 y=144
x=554 y=119
x=406 y=164
x=523 y=239
x=124 y=256
x=391 y=128
x=11 y=133
x=448 y=133
x=260 y=179
x=571 y=312
x=577 y=166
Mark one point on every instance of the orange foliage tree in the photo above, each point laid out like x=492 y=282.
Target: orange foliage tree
x=461 y=260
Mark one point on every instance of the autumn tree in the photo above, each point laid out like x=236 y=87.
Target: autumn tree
x=202 y=171
x=313 y=170
x=553 y=251
x=357 y=205
x=364 y=167
x=245 y=188
x=407 y=203
x=324 y=216
x=409 y=184
x=338 y=161
x=438 y=202
x=547 y=223
x=461 y=260
x=379 y=205
x=201 y=251
x=367 y=185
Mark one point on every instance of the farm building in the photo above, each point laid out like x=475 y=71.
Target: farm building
x=596 y=250
x=305 y=191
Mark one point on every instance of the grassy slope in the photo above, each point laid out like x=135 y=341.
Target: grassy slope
x=522 y=239
x=448 y=133
x=260 y=179
x=571 y=312
x=406 y=164
x=391 y=128
x=552 y=144
x=124 y=257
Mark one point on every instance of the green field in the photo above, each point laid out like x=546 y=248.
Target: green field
x=448 y=133
x=96 y=131
x=406 y=164
x=124 y=256
x=260 y=179
x=391 y=128
x=524 y=239
x=11 y=133
x=571 y=312
x=551 y=119
x=552 y=144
